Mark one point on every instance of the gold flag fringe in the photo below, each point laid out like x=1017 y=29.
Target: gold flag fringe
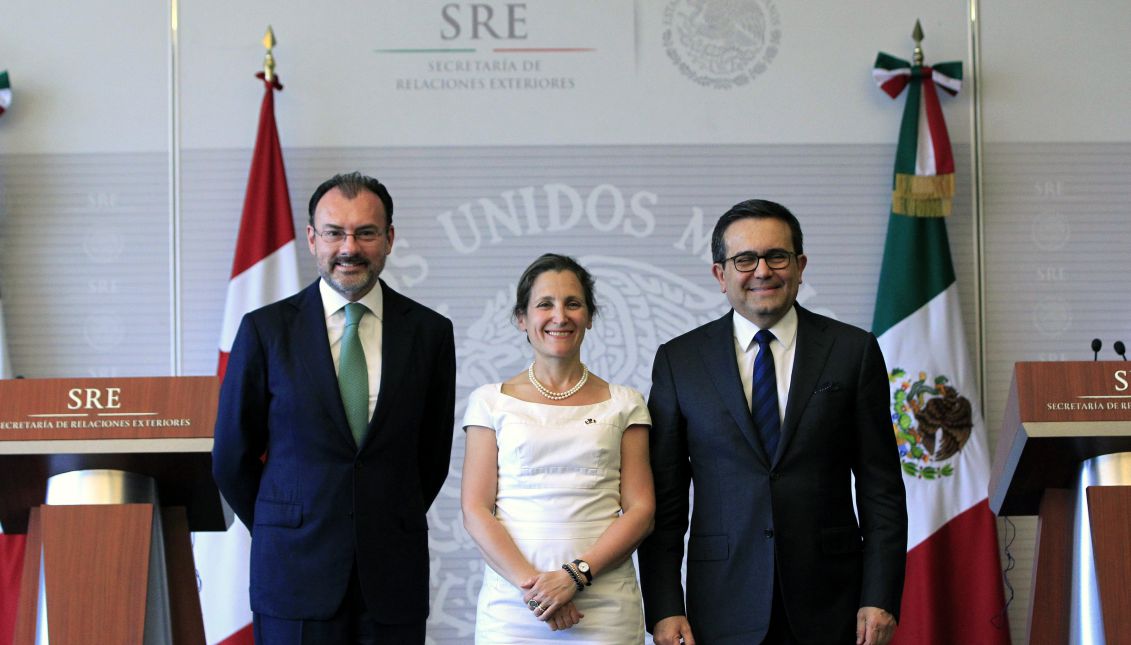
x=922 y=196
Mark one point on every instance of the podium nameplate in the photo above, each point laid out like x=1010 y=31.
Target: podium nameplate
x=155 y=426
x=1058 y=415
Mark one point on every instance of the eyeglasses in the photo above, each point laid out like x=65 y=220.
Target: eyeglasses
x=747 y=262
x=337 y=235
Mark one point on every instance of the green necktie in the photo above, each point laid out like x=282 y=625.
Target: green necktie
x=353 y=375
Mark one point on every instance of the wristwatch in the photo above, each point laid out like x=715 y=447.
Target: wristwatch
x=583 y=567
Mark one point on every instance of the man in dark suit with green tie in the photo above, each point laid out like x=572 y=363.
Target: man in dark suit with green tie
x=348 y=388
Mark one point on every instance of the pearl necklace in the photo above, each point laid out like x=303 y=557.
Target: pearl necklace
x=557 y=396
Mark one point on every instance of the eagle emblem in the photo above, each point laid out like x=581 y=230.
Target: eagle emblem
x=932 y=422
x=722 y=43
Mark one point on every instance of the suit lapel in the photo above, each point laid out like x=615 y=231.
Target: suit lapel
x=718 y=358
x=314 y=353
x=396 y=354
x=813 y=347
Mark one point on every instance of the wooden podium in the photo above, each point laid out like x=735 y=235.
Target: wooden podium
x=118 y=571
x=1064 y=454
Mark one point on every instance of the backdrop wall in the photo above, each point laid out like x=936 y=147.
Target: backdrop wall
x=608 y=130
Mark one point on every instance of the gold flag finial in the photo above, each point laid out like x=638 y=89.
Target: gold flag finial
x=917 y=36
x=268 y=59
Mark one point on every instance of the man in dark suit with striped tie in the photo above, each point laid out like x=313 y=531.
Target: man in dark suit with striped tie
x=774 y=412
x=348 y=387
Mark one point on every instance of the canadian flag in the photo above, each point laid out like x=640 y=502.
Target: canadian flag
x=265 y=269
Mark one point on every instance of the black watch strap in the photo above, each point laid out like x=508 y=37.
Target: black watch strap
x=583 y=568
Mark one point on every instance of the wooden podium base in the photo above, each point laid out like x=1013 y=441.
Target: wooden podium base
x=95 y=563
x=1082 y=569
x=1052 y=570
x=1110 y=512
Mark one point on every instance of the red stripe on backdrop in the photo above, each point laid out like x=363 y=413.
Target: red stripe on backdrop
x=953 y=589
x=944 y=158
x=11 y=570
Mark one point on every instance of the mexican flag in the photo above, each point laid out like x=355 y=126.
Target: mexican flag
x=953 y=589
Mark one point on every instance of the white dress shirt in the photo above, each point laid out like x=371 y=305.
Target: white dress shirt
x=783 y=347
x=369 y=331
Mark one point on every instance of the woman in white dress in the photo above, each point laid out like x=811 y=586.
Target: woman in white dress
x=557 y=490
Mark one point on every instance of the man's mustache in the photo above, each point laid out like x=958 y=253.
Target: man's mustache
x=356 y=259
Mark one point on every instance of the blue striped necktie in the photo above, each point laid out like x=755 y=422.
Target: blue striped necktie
x=764 y=394
x=353 y=375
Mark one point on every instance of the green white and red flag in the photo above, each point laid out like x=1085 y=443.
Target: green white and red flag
x=953 y=587
x=5 y=92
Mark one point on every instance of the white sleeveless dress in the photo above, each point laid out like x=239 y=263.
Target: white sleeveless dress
x=559 y=489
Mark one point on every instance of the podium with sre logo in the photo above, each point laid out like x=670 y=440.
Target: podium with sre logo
x=1064 y=454
x=107 y=476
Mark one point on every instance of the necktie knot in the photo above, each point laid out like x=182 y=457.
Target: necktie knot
x=354 y=312
x=763 y=338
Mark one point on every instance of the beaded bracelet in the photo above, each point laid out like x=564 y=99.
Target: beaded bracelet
x=576 y=578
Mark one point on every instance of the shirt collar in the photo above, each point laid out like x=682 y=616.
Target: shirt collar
x=785 y=330
x=333 y=302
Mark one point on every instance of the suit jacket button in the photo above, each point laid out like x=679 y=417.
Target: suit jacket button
x=769 y=533
x=774 y=476
x=350 y=515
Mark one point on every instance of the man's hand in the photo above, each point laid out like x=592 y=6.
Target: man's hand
x=874 y=626
x=673 y=630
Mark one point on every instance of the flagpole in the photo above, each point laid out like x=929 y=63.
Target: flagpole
x=176 y=332
x=977 y=205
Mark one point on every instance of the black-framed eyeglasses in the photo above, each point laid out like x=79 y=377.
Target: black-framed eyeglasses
x=747 y=262
x=337 y=235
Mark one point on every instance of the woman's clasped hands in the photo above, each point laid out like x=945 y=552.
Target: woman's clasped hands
x=549 y=596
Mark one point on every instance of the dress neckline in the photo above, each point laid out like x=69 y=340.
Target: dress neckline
x=500 y=391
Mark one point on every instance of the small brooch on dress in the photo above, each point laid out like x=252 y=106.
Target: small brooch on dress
x=588 y=421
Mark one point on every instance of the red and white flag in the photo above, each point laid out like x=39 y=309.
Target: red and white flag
x=265 y=269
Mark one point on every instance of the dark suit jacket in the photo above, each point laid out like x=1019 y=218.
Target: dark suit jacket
x=753 y=511
x=319 y=504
